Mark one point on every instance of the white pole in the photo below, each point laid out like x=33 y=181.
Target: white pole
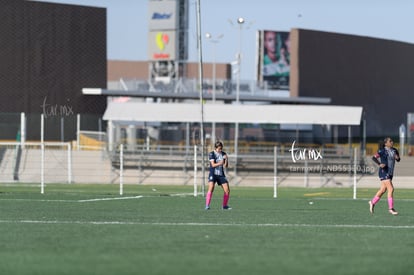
x=200 y=73
x=402 y=139
x=62 y=129
x=121 y=169
x=195 y=170
x=69 y=162
x=240 y=21
x=110 y=135
x=22 y=129
x=355 y=172
x=213 y=130
x=214 y=42
x=42 y=154
x=275 y=173
x=306 y=179
x=77 y=131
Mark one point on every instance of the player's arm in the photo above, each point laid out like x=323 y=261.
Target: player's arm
x=214 y=164
x=397 y=155
x=375 y=159
x=225 y=160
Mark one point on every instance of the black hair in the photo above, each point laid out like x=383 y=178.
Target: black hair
x=381 y=144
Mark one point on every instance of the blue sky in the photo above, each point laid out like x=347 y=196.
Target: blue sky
x=128 y=27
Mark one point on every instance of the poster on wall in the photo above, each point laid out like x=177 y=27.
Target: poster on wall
x=274 y=59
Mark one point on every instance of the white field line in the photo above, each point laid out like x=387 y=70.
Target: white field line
x=211 y=224
x=111 y=199
x=102 y=199
x=88 y=200
x=37 y=200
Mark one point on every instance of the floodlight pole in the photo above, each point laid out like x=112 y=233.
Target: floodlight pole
x=240 y=22
x=214 y=41
x=200 y=73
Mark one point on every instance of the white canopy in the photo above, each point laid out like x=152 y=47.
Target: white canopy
x=232 y=113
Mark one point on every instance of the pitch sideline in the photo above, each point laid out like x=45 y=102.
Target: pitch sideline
x=210 y=224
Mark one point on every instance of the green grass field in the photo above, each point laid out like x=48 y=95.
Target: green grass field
x=90 y=229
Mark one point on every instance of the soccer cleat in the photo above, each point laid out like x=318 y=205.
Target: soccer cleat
x=393 y=212
x=226 y=207
x=371 y=207
x=207 y=207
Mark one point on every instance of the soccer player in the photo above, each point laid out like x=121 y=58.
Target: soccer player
x=385 y=158
x=218 y=161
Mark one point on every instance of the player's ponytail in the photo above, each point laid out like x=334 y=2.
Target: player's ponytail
x=383 y=142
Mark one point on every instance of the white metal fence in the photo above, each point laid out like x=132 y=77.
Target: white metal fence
x=51 y=162
x=35 y=162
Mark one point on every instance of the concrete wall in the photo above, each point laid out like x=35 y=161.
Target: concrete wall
x=48 y=53
x=118 y=69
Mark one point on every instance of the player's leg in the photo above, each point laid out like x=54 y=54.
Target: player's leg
x=377 y=196
x=381 y=190
x=390 y=193
x=226 y=195
x=209 y=194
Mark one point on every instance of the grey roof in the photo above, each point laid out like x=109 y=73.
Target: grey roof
x=233 y=113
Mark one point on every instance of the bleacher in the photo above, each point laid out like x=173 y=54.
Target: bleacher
x=251 y=159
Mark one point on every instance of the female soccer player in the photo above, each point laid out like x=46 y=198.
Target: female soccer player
x=218 y=160
x=385 y=158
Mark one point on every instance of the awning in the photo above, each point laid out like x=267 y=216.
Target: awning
x=234 y=113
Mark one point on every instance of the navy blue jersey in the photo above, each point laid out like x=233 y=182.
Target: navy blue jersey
x=387 y=156
x=217 y=157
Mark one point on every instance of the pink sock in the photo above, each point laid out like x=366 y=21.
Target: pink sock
x=226 y=198
x=208 y=198
x=390 y=203
x=375 y=200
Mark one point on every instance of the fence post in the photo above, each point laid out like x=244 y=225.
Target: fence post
x=195 y=170
x=306 y=174
x=121 y=169
x=77 y=131
x=275 y=173
x=42 y=154
x=69 y=162
x=355 y=173
x=22 y=129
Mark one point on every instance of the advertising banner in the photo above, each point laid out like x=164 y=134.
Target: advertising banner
x=162 y=15
x=274 y=59
x=161 y=45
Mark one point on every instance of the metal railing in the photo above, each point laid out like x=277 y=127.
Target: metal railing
x=187 y=85
x=253 y=159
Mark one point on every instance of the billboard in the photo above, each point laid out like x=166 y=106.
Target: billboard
x=167 y=30
x=161 y=45
x=162 y=15
x=274 y=59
